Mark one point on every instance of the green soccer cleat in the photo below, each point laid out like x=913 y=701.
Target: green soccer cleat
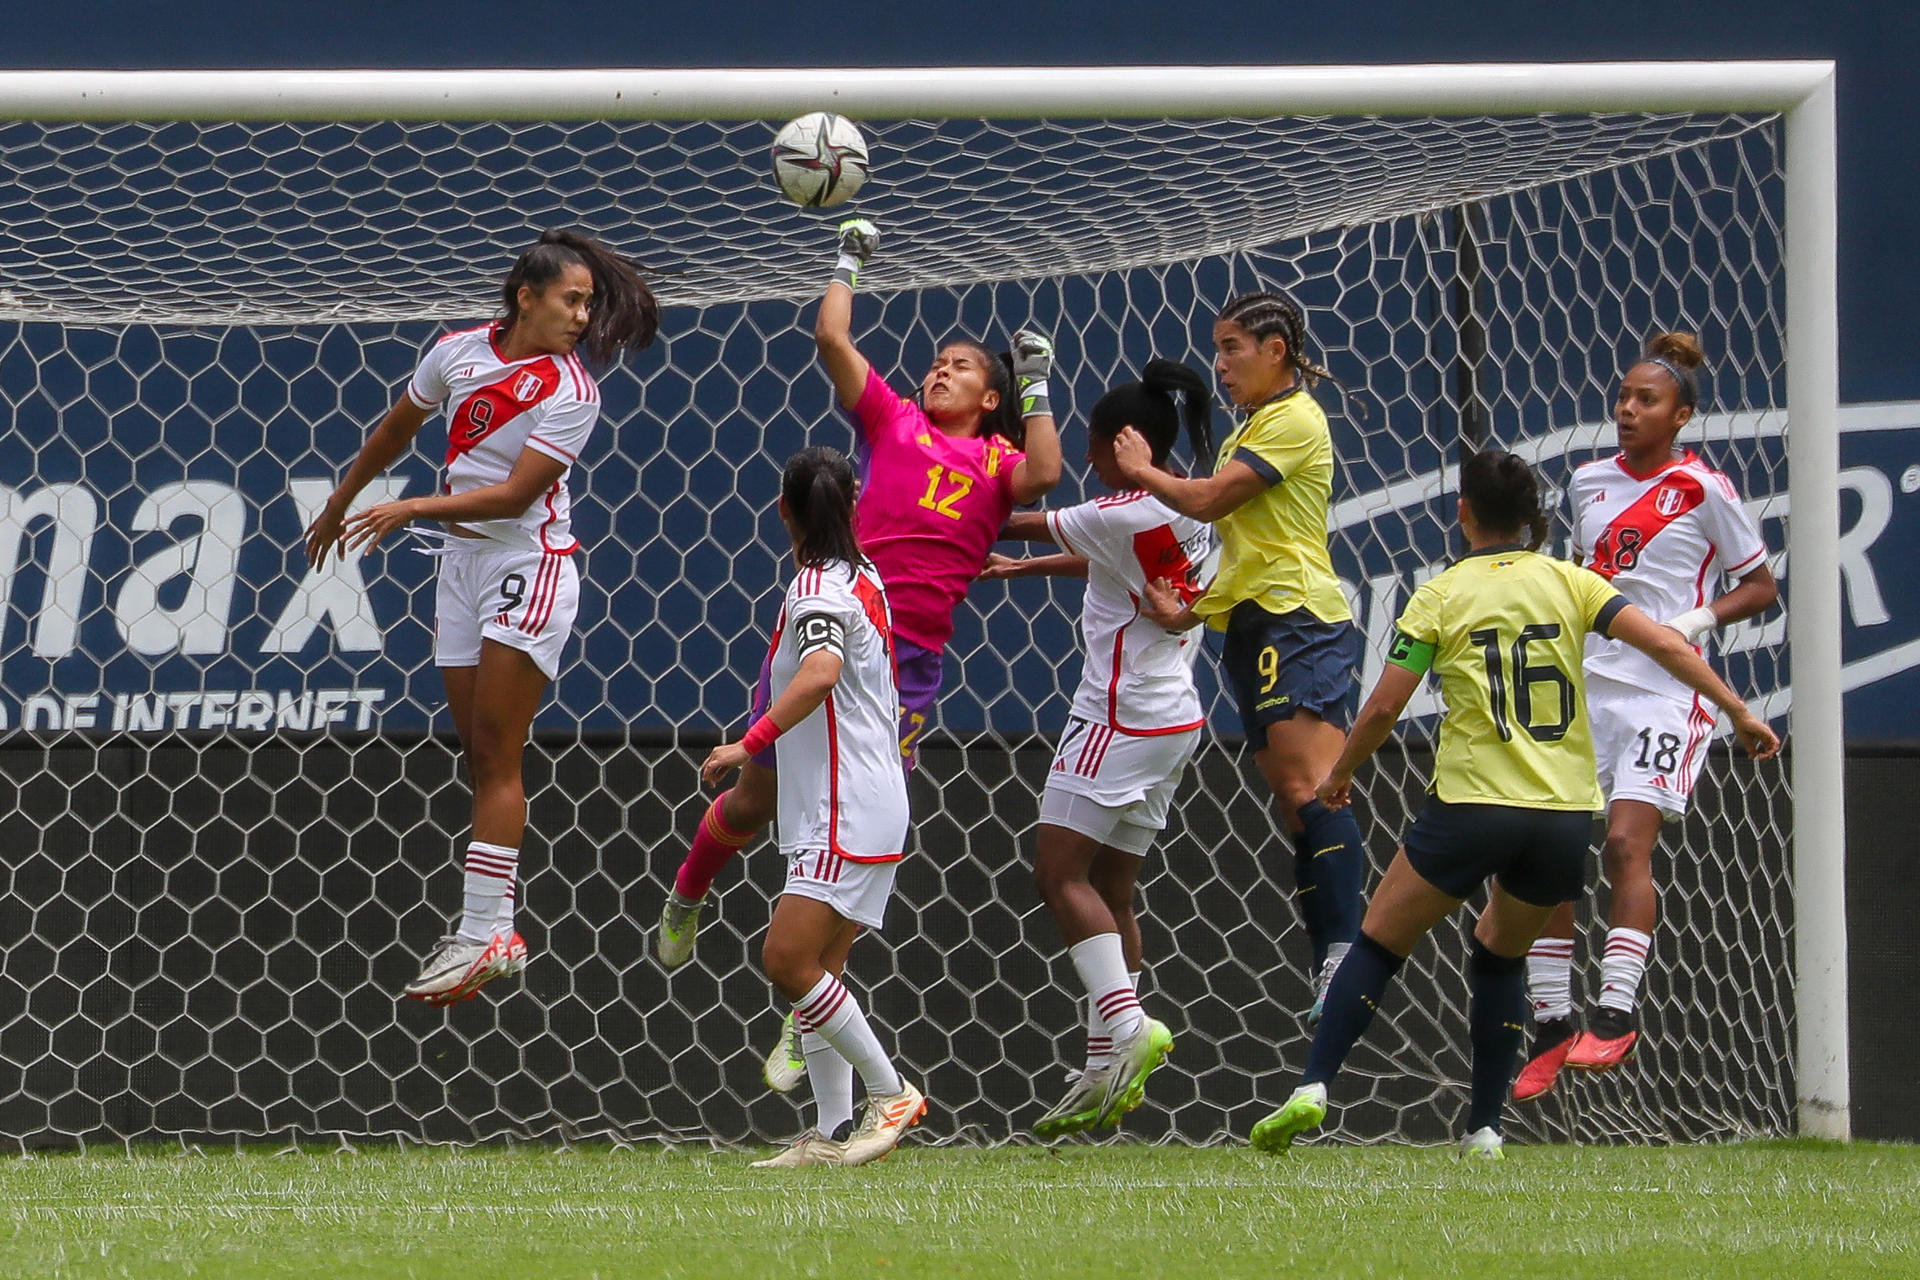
x=1080 y=1110
x=786 y=1066
x=1134 y=1059
x=1483 y=1144
x=679 y=926
x=1305 y=1110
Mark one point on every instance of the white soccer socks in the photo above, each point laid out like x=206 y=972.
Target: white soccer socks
x=1550 y=979
x=831 y=1077
x=1102 y=967
x=490 y=870
x=1622 y=966
x=830 y=1011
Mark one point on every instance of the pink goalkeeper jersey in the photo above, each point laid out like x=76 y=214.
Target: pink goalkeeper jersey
x=931 y=507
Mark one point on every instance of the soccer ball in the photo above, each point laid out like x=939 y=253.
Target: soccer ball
x=819 y=159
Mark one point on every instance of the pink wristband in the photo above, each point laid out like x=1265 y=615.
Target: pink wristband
x=760 y=736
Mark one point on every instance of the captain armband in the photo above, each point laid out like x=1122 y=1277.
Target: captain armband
x=1415 y=655
x=819 y=631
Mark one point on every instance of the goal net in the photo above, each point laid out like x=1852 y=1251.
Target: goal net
x=233 y=801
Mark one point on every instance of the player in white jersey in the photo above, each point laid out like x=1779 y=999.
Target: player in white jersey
x=842 y=807
x=520 y=408
x=1664 y=528
x=1135 y=722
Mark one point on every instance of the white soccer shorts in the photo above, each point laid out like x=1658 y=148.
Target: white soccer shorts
x=1128 y=779
x=525 y=599
x=1648 y=747
x=857 y=890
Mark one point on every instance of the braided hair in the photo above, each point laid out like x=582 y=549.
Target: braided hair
x=1275 y=315
x=1148 y=407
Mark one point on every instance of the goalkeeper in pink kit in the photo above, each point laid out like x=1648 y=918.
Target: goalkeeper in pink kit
x=940 y=473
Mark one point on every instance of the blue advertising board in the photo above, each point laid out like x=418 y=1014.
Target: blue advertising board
x=153 y=575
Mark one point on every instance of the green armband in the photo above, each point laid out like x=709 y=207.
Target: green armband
x=1415 y=655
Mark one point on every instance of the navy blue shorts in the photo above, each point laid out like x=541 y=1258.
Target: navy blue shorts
x=1539 y=855
x=1280 y=663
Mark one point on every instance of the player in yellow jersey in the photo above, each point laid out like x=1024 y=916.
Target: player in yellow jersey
x=1514 y=790
x=1291 y=646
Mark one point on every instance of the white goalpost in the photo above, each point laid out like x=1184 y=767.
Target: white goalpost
x=233 y=806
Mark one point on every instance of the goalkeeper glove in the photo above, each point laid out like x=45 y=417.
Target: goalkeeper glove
x=1032 y=362
x=1694 y=623
x=858 y=240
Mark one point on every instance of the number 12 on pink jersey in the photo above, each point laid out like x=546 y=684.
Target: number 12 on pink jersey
x=934 y=500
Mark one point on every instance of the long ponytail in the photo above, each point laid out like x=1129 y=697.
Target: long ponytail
x=1149 y=407
x=624 y=315
x=817 y=484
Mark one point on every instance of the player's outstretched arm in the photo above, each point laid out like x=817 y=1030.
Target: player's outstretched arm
x=1027 y=526
x=1384 y=705
x=819 y=671
x=389 y=440
x=833 y=327
x=1039 y=471
x=1056 y=566
x=1670 y=649
x=1198 y=497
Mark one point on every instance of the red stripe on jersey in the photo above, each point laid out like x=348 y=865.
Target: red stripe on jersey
x=1159 y=554
x=873 y=602
x=553 y=517
x=461 y=333
x=1622 y=543
x=493 y=406
x=583 y=384
x=1119 y=499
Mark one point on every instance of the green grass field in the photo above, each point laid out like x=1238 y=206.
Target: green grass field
x=1802 y=1210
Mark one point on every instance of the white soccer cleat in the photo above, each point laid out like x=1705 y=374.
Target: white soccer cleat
x=786 y=1065
x=458 y=968
x=679 y=927
x=810 y=1148
x=1483 y=1144
x=886 y=1121
x=453 y=962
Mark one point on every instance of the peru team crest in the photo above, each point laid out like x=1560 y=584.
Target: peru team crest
x=1669 y=501
x=526 y=387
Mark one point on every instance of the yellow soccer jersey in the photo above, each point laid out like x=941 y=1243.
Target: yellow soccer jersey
x=1506 y=630
x=1274 y=545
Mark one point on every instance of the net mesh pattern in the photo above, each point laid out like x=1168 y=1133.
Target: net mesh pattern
x=234 y=802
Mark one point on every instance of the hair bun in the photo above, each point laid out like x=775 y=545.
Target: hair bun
x=1678 y=348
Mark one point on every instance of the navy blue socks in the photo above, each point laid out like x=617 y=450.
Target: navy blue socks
x=1329 y=860
x=1496 y=1021
x=1358 y=985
